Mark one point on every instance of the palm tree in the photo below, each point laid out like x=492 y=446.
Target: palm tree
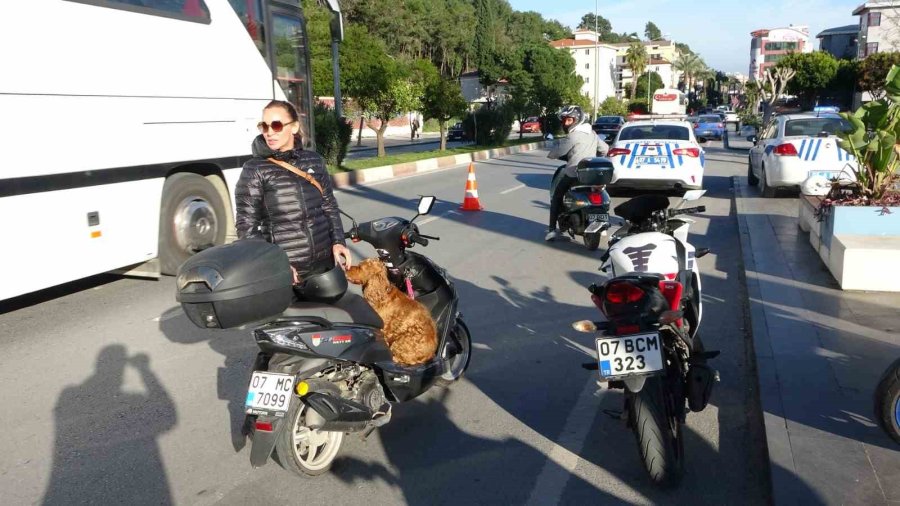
x=636 y=59
x=689 y=64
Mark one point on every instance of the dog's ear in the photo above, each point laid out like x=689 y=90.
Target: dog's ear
x=354 y=275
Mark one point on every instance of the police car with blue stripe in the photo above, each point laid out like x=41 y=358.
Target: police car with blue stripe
x=793 y=147
x=657 y=154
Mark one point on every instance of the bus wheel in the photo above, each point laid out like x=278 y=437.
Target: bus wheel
x=192 y=218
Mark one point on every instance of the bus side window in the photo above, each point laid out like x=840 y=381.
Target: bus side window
x=251 y=15
x=186 y=10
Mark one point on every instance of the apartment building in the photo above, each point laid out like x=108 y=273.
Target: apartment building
x=769 y=46
x=595 y=63
x=879 y=27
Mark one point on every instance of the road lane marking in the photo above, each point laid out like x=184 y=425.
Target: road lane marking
x=561 y=461
x=514 y=188
x=432 y=218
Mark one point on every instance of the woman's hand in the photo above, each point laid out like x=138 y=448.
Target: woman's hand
x=342 y=256
x=296 y=276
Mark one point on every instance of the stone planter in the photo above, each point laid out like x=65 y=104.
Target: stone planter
x=859 y=245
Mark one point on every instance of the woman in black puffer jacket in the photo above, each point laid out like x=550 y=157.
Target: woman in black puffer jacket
x=283 y=208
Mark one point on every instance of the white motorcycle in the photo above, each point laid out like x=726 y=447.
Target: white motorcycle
x=649 y=344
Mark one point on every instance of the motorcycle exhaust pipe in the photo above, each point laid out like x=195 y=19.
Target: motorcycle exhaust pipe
x=336 y=414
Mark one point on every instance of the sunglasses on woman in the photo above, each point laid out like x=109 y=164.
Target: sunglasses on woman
x=276 y=126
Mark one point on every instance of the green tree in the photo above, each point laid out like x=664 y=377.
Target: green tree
x=612 y=106
x=554 y=80
x=656 y=83
x=814 y=71
x=521 y=101
x=873 y=72
x=379 y=84
x=588 y=20
x=443 y=101
x=689 y=64
x=636 y=60
x=683 y=48
x=652 y=31
x=485 y=48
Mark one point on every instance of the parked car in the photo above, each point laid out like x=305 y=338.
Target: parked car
x=456 y=133
x=531 y=125
x=656 y=155
x=731 y=118
x=608 y=126
x=793 y=147
x=709 y=126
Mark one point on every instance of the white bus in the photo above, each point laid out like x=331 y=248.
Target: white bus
x=669 y=101
x=124 y=126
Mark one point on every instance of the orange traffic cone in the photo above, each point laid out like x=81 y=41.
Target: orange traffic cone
x=471 y=202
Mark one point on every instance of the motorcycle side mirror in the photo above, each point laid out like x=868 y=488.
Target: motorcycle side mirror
x=689 y=196
x=425 y=204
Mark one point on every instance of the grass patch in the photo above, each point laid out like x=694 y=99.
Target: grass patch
x=368 y=163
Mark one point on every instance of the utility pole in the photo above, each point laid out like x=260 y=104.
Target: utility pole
x=596 y=59
x=337 y=36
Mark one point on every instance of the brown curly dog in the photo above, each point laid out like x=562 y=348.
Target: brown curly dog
x=409 y=330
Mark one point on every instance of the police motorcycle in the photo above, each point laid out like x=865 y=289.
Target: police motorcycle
x=585 y=207
x=323 y=369
x=649 y=346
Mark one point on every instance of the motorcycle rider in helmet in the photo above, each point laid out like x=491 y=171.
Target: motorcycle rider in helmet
x=581 y=142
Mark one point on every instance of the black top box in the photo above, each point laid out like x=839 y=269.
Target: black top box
x=595 y=171
x=235 y=284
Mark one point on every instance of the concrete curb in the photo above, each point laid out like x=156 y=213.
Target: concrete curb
x=782 y=471
x=362 y=176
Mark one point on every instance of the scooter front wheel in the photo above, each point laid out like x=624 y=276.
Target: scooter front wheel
x=887 y=401
x=460 y=341
x=305 y=451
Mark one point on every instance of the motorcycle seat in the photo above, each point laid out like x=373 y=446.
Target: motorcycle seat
x=349 y=309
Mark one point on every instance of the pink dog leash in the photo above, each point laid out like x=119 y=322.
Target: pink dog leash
x=409 y=289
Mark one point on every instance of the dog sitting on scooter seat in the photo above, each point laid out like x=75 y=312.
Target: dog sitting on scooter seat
x=409 y=330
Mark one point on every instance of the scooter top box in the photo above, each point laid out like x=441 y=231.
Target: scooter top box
x=235 y=284
x=595 y=171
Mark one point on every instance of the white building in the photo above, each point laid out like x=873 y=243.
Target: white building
x=879 y=27
x=595 y=62
x=474 y=93
x=769 y=46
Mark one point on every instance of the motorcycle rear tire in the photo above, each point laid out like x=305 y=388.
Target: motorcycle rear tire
x=658 y=434
x=887 y=401
x=288 y=455
x=591 y=241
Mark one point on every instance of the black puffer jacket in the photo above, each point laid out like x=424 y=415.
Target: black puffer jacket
x=277 y=205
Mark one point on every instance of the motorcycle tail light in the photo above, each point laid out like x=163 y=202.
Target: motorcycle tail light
x=596 y=198
x=786 y=149
x=622 y=330
x=264 y=426
x=672 y=291
x=623 y=293
x=691 y=152
x=618 y=152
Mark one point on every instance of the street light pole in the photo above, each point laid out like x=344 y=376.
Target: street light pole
x=596 y=58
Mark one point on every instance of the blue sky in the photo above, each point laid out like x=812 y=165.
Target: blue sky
x=718 y=30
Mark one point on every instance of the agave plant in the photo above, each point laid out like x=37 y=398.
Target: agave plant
x=873 y=140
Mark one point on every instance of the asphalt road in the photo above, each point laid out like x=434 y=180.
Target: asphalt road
x=112 y=397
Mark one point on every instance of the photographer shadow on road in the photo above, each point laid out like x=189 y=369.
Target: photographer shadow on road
x=105 y=450
x=239 y=350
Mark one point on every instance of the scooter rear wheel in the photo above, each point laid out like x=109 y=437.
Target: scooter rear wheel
x=887 y=401
x=305 y=451
x=458 y=363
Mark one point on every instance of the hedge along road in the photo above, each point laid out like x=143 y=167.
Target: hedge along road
x=134 y=404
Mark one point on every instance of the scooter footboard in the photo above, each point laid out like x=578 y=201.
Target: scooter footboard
x=403 y=383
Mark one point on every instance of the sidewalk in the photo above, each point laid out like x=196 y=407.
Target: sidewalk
x=394 y=141
x=819 y=352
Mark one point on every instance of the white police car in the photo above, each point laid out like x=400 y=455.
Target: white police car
x=793 y=147
x=657 y=154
